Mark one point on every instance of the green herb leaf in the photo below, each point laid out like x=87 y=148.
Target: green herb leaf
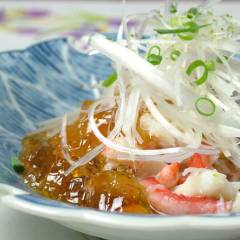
x=205 y=106
x=17 y=165
x=110 y=80
x=193 y=66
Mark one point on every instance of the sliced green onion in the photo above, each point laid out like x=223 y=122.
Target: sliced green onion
x=175 y=54
x=219 y=60
x=188 y=36
x=109 y=38
x=205 y=106
x=174 y=21
x=229 y=16
x=156 y=48
x=210 y=13
x=191 y=27
x=154 y=58
x=172 y=31
x=192 y=12
x=17 y=165
x=193 y=66
x=210 y=65
x=173 y=8
x=110 y=80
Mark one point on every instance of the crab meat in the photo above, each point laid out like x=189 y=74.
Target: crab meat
x=164 y=201
x=169 y=175
x=199 y=161
x=207 y=183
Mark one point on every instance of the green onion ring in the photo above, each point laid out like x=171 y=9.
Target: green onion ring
x=154 y=47
x=205 y=100
x=153 y=58
x=193 y=66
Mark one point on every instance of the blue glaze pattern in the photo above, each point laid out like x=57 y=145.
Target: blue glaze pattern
x=39 y=83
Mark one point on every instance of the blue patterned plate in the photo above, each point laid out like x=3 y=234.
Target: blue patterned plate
x=48 y=80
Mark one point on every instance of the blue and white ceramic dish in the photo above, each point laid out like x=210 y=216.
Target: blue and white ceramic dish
x=48 y=80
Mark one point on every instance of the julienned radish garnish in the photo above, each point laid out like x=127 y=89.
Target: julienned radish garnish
x=168 y=76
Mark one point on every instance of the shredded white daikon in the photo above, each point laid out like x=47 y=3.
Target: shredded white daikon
x=64 y=145
x=179 y=68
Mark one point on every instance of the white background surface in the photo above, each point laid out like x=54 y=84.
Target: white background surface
x=110 y=8
x=18 y=226
x=15 y=225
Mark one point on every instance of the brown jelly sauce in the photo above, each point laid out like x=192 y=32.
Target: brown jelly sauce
x=90 y=185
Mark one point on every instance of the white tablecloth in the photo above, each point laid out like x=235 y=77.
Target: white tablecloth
x=18 y=226
x=15 y=225
x=11 y=40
